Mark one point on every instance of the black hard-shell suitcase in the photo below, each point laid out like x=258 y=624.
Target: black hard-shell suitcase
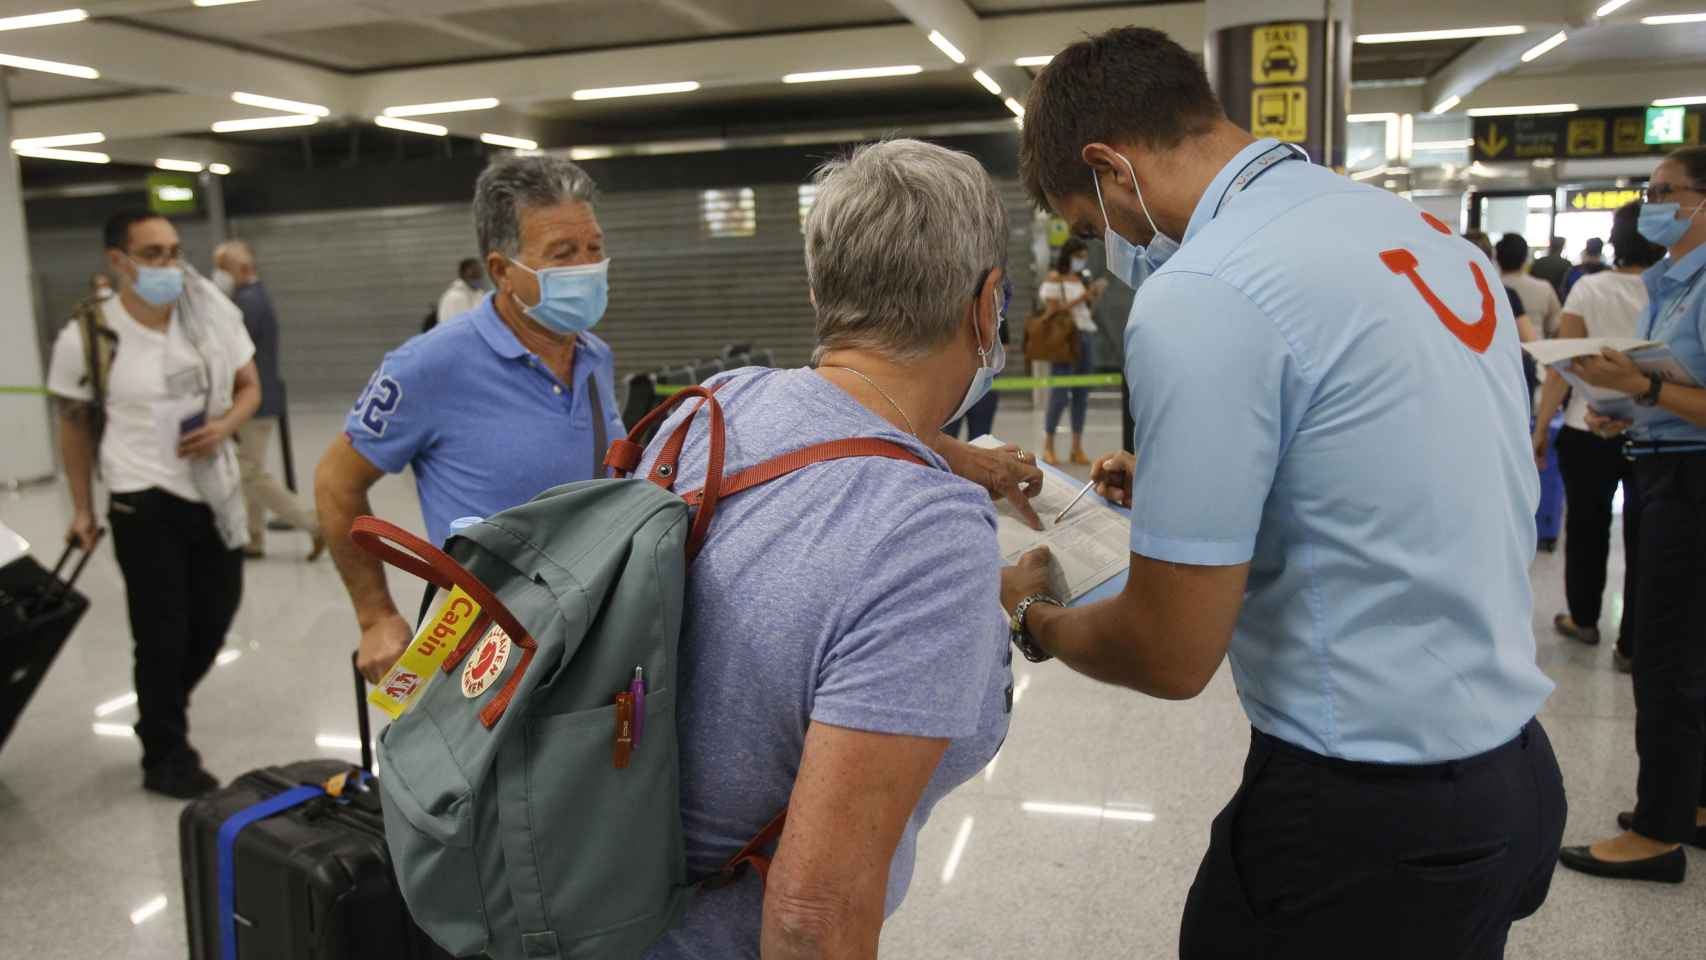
x=312 y=882
x=38 y=611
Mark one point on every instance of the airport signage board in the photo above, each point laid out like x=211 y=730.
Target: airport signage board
x=1616 y=132
x=172 y=194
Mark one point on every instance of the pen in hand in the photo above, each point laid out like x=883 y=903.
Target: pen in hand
x=1075 y=500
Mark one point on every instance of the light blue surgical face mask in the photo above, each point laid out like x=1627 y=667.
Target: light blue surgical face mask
x=571 y=299
x=159 y=286
x=1131 y=262
x=990 y=363
x=1658 y=222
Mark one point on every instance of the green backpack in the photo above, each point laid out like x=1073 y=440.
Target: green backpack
x=525 y=817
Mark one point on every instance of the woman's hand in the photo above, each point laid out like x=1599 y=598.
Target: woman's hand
x=1541 y=442
x=1612 y=370
x=1606 y=427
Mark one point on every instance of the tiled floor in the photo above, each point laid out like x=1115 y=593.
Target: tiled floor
x=85 y=856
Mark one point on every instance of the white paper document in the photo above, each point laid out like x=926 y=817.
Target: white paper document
x=1651 y=356
x=1088 y=548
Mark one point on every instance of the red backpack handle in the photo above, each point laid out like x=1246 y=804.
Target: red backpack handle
x=625 y=455
x=409 y=553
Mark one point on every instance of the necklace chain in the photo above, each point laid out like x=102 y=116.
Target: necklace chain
x=880 y=390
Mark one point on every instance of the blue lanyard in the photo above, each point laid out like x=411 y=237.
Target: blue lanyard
x=1258 y=165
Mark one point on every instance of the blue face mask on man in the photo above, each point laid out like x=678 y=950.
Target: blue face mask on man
x=571 y=299
x=159 y=286
x=1658 y=222
x=1131 y=262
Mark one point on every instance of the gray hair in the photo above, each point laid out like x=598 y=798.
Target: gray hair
x=900 y=235
x=518 y=182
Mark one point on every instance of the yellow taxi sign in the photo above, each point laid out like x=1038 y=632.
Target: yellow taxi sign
x=1279 y=53
x=1280 y=112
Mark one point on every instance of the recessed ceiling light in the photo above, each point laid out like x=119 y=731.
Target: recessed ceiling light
x=274 y=103
x=413 y=126
x=1674 y=18
x=1015 y=106
x=1666 y=102
x=636 y=90
x=516 y=143
x=50 y=66
x=1544 y=47
x=265 y=123
x=1446 y=105
x=1610 y=7
x=183 y=166
x=1537 y=108
x=947 y=47
x=987 y=81
x=49 y=19
x=219 y=3
x=75 y=156
x=856 y=73
x=447 y=106
x=62 y=140
x=1033 y=61
x=227 y=656
x=1464 y=33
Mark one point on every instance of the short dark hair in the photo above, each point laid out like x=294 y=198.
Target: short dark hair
x=468 y=263
x=117 y=231
x=1633 y=250
x=1479 y=239
x=1691 y=159
x=1556 y=246
x=1063 y=259
x=1129 y=85
x=1594 y=246
x=1511 y=251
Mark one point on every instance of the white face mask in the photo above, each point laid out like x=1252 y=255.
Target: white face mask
x=1131 y=262
x=226 y=283
x=990 y=364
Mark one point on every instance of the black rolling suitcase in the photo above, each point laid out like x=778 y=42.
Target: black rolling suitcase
x=38 y=611
x=277 y=868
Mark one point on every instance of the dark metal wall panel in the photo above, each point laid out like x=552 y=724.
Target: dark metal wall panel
x=352 y=284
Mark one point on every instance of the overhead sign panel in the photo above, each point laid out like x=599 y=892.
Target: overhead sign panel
x=1617 y=132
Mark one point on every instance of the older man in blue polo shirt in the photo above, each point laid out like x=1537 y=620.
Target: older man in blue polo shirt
x=495 y=406
x=1333 y=487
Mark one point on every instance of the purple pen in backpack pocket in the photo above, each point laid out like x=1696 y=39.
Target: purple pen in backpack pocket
x=638 y=689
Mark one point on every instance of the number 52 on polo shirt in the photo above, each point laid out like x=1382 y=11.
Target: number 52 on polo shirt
x=441 y=633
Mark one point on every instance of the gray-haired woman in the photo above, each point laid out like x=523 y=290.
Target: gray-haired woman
x=845 y=657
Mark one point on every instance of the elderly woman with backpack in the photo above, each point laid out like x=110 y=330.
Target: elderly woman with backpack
x=843 y=655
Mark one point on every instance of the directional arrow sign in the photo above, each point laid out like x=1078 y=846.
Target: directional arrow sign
x=1494 y=142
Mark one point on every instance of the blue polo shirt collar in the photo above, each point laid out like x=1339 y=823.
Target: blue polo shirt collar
x=495 y=332
x=1210 y=200
x=1670 y=271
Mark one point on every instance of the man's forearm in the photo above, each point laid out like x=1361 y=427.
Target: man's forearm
x=1096 y=640
x=1551 y=397
x=77 y=450
x=362 y=573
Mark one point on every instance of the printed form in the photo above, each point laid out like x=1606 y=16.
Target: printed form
x=1087 y=549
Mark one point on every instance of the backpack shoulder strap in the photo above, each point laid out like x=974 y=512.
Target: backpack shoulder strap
x=751 y=854
x=820 y=453
x=100 y=344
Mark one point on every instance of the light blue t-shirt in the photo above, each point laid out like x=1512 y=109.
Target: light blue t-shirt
x=861 y=593
x=483 y=421
x=1676 y=314
x=1302 y=404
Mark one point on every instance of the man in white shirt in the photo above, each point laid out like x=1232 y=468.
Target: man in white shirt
x=1539 y=299
x=152 y=384
x=464 y=293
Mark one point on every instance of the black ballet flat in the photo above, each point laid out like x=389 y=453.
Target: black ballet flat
x=1665 y=868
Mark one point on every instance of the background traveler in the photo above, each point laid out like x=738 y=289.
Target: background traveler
x=261 y=490
x=178 y=358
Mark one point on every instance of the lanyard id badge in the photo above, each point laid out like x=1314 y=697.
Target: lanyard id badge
x=440 y=634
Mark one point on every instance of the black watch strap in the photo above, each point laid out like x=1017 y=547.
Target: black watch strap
x=1655 y=386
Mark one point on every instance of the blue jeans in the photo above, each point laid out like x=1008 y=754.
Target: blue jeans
x=1079 y=396
x=979 y=420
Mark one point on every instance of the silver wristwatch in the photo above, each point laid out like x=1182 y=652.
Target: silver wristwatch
x=1020 y=636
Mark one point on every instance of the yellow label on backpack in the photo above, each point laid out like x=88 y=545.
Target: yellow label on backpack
x=439 y=634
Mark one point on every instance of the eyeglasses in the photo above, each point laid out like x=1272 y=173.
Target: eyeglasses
x=158 y=256
x=1657 y=192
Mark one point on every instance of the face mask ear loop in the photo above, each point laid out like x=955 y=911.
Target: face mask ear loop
x=1140 y=201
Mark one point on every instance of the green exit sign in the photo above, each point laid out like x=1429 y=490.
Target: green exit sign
x=1664 y=124
x=172 y=194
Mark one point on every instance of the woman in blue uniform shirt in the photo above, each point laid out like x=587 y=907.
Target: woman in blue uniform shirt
x=1668 y=444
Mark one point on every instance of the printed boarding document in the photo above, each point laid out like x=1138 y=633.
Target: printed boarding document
x=1650 y=355
x=1088 y=548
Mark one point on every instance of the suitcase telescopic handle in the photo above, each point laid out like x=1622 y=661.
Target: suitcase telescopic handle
x=363 y=728
x=60 y=588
